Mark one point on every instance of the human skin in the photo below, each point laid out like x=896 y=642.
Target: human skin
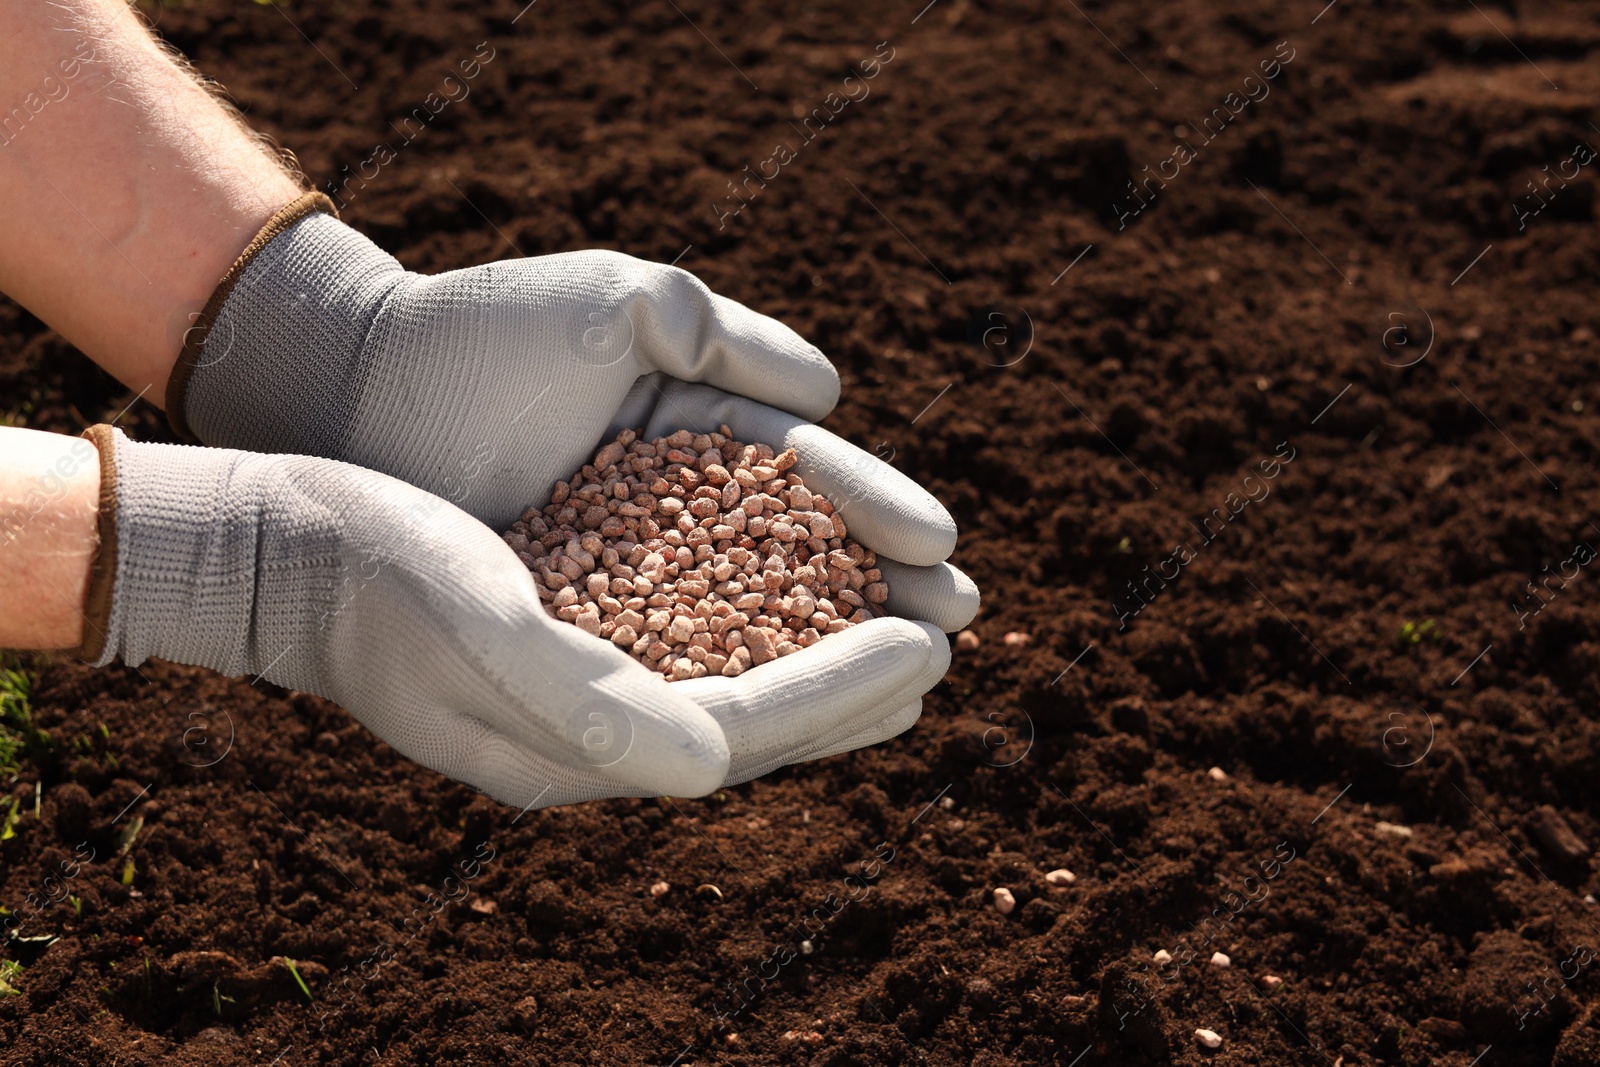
x=128 y=189
x=49 y=503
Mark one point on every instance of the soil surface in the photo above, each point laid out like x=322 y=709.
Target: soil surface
x=1263 y=456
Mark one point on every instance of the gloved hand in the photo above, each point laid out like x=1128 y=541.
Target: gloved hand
x=487 y=385
x=335 y=580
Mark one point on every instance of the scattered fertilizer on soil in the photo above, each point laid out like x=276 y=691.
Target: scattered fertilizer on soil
x=697 y=554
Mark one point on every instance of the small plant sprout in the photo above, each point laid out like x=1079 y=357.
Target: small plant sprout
x=1413 y=633
x=18 y=416
x=127 y=832
x=8 y=825
x=10 y=971
x=77 y=905
x=127 y=872
x=301 y=982
x=18 y=734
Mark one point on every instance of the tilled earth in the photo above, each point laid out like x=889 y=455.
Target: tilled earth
x=1263 y=452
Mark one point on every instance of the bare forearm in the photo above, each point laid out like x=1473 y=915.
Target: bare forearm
x=127 y=190
x=49 y=503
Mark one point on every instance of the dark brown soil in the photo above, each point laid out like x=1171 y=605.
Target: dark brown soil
x=1346 y=647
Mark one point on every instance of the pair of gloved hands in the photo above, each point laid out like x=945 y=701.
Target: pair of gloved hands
x=392 y=593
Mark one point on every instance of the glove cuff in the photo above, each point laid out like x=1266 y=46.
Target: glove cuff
x=195 y=337
x=103 y=572
x=284 y=363
x=174 y=575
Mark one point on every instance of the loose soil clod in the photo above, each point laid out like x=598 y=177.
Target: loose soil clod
x=1556 y=836
x=697 y=555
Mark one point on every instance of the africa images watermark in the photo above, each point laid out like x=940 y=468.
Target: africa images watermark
x=1153 y=583
x=344 y=987
x=812 y=925
x=1582 y=555
x=1582 y=155
x=452 y=90
x=832 y=106
x=53 y=88
x=1184 y=153
x=48 y=488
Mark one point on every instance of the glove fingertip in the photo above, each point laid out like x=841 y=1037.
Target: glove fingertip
x=939 y=650
x=700 y=766
x=942 y=595
x=656 y=739
x=824 y=394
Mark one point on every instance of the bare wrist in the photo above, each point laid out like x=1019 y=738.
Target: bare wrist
x=49 y=507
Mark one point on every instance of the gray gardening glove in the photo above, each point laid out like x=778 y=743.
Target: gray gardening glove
x=418 y=619
x=486 y=385
x=330 y=579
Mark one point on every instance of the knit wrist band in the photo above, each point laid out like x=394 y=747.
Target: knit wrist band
x=103 y=572
x=195 y=337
